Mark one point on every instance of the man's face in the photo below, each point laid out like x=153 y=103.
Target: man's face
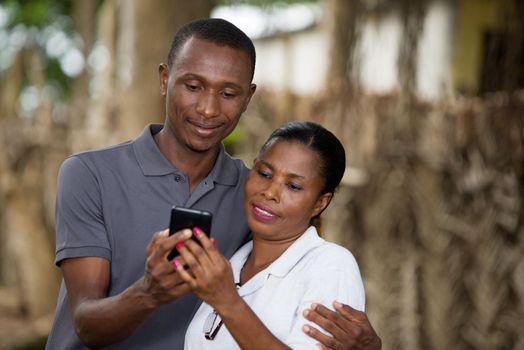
x=207 y=88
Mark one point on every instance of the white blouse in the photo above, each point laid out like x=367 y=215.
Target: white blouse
x=310 y=271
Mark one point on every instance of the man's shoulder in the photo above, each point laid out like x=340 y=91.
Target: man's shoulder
x=104 y=152
x=231 y=165
x=94 y=159
x=238 y=163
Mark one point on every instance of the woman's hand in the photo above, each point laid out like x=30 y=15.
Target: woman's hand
x=208 y=272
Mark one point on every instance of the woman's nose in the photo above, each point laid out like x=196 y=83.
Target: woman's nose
x=272 y=191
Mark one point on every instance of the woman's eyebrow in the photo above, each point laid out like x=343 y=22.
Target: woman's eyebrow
x=292 y=175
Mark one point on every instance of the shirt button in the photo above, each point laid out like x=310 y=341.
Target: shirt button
x=178 y=178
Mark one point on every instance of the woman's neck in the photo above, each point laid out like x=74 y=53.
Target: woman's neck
x=263 y=254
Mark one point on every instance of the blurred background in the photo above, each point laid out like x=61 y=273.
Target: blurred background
x=427 y=96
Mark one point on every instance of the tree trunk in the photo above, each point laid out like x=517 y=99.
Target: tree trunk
x=151 y=33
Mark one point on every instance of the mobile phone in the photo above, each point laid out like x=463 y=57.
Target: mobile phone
x=182 y=218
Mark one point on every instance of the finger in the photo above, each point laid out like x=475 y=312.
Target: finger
x=164 y=246
x=191 y=262
x=348 y=312
x=184 y=275
x=330 y=321
x=204 y=240
x=199 y=253
x=156 y=237
x=209 y=245
x=326 y=341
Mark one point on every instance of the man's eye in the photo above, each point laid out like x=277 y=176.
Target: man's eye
x=228 y=94
x=192 y=87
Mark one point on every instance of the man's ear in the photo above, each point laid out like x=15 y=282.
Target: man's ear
x=252 y=89
x=163 y=74
x=322 y=203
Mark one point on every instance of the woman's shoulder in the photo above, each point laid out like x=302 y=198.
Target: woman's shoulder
x=332 y=254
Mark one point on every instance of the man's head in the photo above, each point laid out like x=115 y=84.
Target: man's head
x=218 y=31
x=207 y=83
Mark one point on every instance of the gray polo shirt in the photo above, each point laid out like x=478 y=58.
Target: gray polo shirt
x=110 y=202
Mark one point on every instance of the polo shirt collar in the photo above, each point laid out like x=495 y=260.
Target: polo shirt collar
x=283 y=265
x=153 y=163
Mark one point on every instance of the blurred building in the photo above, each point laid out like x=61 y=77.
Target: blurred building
x=462 y=47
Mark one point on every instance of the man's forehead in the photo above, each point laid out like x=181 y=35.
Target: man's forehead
x=200 y=55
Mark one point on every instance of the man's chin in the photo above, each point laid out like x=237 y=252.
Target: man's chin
x=201 y=148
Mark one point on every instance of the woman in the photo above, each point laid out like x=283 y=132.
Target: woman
x=256 y=301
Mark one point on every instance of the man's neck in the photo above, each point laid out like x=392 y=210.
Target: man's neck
x=196 y=165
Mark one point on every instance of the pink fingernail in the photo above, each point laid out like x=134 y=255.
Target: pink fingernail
x=214 y=242
x=197 y=231
x=179 y=245
x=175 y=263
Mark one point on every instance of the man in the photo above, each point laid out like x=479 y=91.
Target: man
x=110 y=200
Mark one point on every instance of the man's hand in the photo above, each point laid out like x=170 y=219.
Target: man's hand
x=350 y=329
x=161 y=281
x=101 y=320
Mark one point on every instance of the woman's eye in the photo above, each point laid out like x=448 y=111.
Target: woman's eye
x=294 y=186
x=264 y=174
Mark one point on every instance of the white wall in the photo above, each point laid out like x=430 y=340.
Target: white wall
x=299 y=61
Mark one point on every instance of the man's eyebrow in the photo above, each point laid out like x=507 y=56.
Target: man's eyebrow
x=293 y=175
x=201 y=78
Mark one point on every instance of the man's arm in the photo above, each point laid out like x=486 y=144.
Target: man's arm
x=100 y=320
x=350 y=328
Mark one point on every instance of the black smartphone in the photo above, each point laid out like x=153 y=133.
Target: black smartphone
x=182 y=218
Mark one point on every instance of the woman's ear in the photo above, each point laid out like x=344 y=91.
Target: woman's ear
x=322 y=203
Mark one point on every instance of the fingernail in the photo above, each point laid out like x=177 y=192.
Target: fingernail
x=306 y=312
x=175 y=263
x=179 y=245
x=337 y=304
x=197 y=231
x=306 y=329
x=214 y=242
x=314 y=306
x=319 y=346
x=165 y=233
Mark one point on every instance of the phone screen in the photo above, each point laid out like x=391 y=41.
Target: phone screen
x=182 y=218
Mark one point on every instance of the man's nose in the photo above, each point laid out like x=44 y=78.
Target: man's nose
x=208 y=105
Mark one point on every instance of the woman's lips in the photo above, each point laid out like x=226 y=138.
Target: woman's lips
x=263 y=213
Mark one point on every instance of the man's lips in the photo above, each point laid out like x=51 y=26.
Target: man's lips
x=263 y=212
x=204 y=129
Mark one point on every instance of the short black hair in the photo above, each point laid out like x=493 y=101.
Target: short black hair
x=217 y=31
x=321 y=141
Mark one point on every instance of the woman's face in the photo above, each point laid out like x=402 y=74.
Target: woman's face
x=282 y=191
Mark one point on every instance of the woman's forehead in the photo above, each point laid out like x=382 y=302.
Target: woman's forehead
x=291 y=156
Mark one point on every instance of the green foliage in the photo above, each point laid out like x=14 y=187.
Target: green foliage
x=36 y=13
x=34 y=22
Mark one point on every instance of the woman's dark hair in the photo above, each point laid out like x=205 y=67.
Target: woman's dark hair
x=320 y=140
x=217 y=31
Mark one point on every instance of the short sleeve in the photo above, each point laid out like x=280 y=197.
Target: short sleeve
x=334 y=276
x=80 y=229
